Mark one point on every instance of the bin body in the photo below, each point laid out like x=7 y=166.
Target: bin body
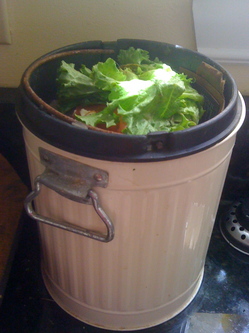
x=161 y=194
x=163 y=213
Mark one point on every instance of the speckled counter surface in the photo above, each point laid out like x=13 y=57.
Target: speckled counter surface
x=221 y=305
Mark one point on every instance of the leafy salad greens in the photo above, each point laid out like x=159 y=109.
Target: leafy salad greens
x=146 y=95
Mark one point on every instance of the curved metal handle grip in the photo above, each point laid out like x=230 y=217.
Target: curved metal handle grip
x=66 y=225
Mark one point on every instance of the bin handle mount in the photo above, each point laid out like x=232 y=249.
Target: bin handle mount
x=73 y=180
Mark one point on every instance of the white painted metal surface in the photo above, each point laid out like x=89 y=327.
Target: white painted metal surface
x=163 y=214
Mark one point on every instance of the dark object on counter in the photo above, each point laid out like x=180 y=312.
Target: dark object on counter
x=234 y=225
x=237 y=180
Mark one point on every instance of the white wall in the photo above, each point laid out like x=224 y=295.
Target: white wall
x=222 y=33
x=39 y=26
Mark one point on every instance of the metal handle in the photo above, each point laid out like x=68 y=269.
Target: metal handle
x=74 y=181
x=66 y=225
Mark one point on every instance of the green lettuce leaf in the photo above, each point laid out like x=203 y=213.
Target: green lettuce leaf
x=106 y=74
x=133 y=56
x=109 y=119
x=147 y=95
x=74 y=86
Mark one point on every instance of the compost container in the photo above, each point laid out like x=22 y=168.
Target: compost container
x=125 y=220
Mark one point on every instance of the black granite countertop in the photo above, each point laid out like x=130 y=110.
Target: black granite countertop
x=221 y=305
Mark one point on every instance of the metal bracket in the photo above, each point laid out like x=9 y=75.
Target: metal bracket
x=72 y=180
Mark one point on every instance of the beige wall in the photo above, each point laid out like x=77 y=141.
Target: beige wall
x=40 y=26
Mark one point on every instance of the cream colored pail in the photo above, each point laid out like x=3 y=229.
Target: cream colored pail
x=162 y=213
x=125 y=220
